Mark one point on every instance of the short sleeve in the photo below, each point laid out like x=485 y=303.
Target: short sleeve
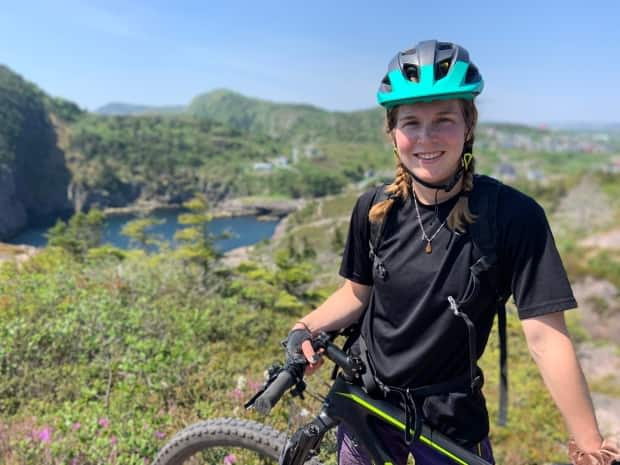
x=356 y=264
x=530 y=260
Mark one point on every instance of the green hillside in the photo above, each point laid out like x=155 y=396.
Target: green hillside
x=118 y=159
x=296 y=123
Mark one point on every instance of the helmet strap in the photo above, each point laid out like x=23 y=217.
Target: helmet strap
x=466 y=160
x=447 y=187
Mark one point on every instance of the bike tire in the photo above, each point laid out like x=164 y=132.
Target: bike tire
x=247 y=435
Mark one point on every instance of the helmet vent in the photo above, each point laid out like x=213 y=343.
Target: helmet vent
x=411 y=73
x=386 y=85
x=472 y=75
x=441 y=69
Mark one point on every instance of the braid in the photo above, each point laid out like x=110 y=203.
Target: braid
x=401 y=187
x=460 y=215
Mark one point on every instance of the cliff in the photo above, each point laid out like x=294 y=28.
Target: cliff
x=33 y=174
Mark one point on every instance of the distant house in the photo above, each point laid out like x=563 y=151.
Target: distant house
x=280 y=161
x=505 y=172
x=263 y=167
x=613 y=167
x=535 y=175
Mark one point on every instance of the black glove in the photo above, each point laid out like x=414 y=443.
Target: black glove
x=293 y=345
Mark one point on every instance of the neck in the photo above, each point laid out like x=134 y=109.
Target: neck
x=427 y=195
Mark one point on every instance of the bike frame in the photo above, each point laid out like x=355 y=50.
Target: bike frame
x=350 y=405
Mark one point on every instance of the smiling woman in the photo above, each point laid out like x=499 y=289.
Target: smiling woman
x=426 y=307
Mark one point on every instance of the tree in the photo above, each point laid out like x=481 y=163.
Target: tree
x=137 y=231
x=82 y=232
x=197 y=243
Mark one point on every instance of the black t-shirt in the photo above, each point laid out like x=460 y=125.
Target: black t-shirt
x=413 y=337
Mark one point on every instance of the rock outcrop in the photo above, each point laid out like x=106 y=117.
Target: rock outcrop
x=33 y=174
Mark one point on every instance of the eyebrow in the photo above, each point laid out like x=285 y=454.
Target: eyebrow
x=440 y=113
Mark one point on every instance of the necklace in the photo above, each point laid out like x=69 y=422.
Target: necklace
x=429 y=247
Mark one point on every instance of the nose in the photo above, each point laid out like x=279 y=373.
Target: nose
x=425 y=133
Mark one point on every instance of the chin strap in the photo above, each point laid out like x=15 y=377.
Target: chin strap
x=446 y=187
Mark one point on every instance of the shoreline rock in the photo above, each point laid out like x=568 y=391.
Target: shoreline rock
x=19 y=253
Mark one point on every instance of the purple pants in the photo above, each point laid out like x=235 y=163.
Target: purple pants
x=351 y=453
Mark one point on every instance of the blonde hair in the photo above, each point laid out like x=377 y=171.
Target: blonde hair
x=460 y=215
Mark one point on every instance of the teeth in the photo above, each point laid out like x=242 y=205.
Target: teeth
x=428 y=155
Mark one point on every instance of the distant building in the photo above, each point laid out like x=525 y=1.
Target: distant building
x=506 y=172
x=535 y=175
x=263 y=167
x=613 y=167
x=280 y=161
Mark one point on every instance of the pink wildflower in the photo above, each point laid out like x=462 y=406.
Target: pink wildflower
x=45 y=435
x=113 y=440
x=230 y=459
x=76 y=426
x=104 y=422
x=74 y=461
x=159 y=435
x=236 y=394
x=255 y=385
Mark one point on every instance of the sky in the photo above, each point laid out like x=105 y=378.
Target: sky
x=543 y=62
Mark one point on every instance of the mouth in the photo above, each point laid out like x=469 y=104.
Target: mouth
x=428 y=155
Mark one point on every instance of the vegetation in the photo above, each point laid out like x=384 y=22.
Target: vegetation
x=288 y=122
x=106 y=353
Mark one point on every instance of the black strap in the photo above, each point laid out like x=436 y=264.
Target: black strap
x=503 y=364
x=447 y=187
x=484 y=236
x=376 y=234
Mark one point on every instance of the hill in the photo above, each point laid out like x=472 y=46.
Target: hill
x=296 y=123
x=117 y=160
x=120 y=109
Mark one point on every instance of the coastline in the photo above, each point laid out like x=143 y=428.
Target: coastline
x=263 y=209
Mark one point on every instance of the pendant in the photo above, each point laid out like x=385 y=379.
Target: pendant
x=429 y=248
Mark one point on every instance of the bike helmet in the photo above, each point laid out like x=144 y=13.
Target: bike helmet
x=431 y=70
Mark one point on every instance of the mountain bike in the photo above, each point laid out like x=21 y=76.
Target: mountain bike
x=347 y=403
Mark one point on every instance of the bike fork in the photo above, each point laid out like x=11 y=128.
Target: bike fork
x=306 y=441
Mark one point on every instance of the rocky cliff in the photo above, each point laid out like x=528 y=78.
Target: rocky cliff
x=33 y=174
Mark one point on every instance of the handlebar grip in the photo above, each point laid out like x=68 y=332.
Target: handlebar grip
x=272 y=394
x=339 y=357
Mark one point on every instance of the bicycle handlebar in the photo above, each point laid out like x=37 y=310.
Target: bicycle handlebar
x=292 y=374
x=274 y=391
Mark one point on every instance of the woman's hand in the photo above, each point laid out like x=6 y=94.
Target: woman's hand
x=315 y=361
x=607 y=454
x=299 y=348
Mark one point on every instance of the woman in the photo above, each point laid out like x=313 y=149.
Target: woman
x=410 y=334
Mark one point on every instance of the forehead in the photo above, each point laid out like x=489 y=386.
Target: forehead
x=425 y=109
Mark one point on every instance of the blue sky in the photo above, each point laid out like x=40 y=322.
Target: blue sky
x=554 y=61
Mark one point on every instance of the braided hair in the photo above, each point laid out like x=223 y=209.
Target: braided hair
x=460 y=215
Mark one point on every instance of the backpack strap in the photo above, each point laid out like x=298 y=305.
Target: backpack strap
x=352 y=332
x=376 y=233
x=483 y=204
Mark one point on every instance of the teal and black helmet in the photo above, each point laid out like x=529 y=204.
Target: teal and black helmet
x=431 y=70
